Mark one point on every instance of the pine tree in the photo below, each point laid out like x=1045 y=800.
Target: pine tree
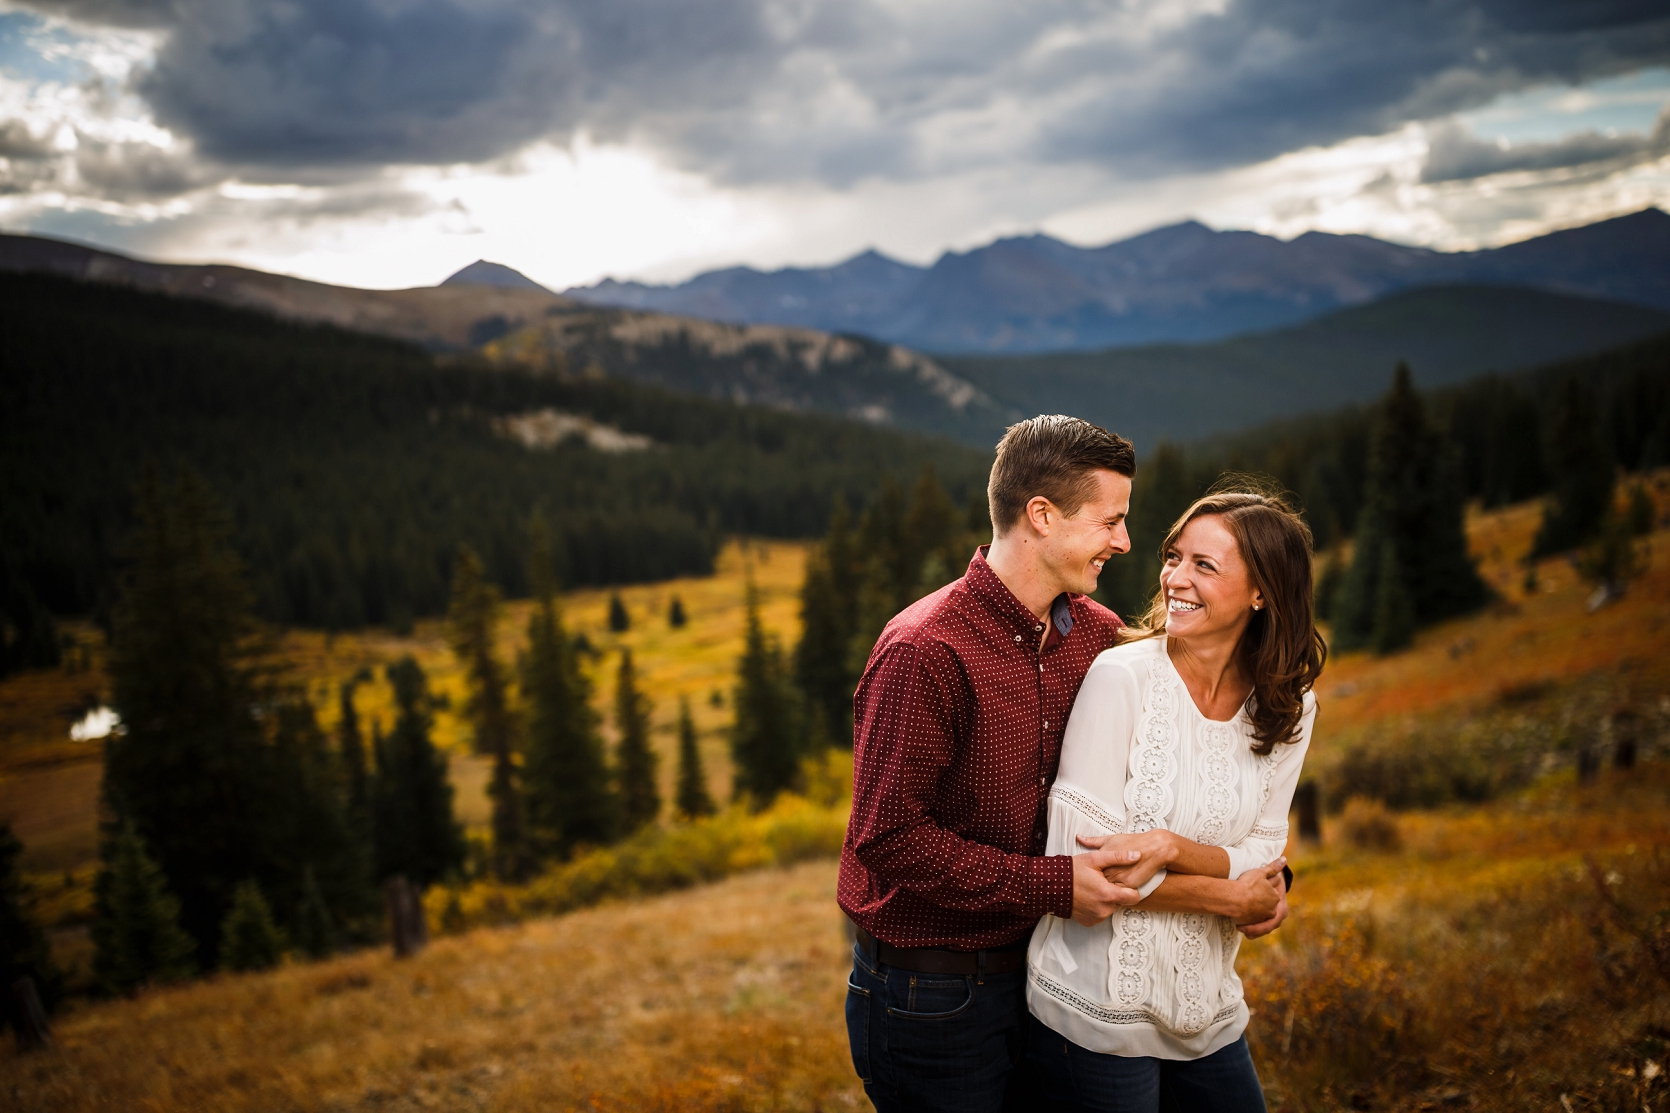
x=829 y=622
x=1394 y=610
x=932 y=538
x=350 y=744
x=315 y=930
x=766 y=738
x=693 y=800
x=1411 y=531
x=190 y=771
x=136 y=932
x=474 y=621
x=24 y=950
x=249 y=938
x=565 y=777
x=28 y=636
x=411 y=800
x=640 y=800
x=1582 y=472
x=313 y=838
x=619 y=620
x=676 y=617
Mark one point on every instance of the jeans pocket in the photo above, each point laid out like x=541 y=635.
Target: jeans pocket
x=858 y=1026
x=919 y=997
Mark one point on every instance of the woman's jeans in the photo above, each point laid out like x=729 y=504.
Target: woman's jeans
x=1072 y=1078
x=927 y=1042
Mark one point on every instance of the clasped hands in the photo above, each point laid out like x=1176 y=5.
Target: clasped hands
x=1107 y=875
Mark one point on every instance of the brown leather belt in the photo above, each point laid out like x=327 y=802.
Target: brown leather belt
x=939 y=960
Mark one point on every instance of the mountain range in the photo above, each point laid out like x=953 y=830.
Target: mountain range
x=1183 y=283
x=1149 y=392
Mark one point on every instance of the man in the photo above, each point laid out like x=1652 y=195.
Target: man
x=957 y=730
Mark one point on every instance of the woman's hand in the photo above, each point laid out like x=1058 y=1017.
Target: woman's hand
x=1258 y=894
x=1157 y=849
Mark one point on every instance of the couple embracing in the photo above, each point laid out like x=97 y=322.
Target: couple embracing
x=1063 y=825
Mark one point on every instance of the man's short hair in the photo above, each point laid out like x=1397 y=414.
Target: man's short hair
x=1052 y=455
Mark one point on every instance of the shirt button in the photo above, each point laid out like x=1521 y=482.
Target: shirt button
x=1040 y=782
x=1046 y=724
x=1017 y=637
x=1038 y=628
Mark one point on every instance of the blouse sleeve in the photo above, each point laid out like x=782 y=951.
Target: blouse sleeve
x=1089 y=793
x=1268 y=838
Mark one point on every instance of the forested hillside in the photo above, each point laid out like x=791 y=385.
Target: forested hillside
x=352 y=467
x=1183 y=392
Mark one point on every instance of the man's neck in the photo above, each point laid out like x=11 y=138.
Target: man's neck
x=1017 y=562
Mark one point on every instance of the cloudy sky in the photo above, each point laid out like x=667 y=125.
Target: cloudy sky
x=389 y=142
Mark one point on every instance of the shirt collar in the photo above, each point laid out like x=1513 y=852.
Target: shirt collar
x=985 y=585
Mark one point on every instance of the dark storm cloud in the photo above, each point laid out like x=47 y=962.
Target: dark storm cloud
x=833 y=90
x=1454 y=154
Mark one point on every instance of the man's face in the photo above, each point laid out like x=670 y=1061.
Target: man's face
x=1076 y=548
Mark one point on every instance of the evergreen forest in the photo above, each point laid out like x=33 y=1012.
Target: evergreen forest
x=352 y=468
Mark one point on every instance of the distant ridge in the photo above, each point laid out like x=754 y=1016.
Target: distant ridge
x=483 y=273
x=1182 y=283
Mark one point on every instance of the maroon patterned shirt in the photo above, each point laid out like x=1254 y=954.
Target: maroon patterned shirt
x=956 y=736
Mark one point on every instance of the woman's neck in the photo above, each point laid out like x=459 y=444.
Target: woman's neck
x=1211 y=669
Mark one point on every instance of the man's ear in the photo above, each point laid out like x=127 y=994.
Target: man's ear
x=1041 y=514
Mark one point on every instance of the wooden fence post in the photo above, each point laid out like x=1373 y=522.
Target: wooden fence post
x=1625 y=726
x=28 y=1018
x=407 y=928
x=1310 y=819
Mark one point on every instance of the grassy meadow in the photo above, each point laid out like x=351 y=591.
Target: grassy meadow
x=1499 y=939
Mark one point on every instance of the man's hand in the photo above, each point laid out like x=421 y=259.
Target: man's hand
x=1265 y=927
x=1095 y=898
x=1155 y=850
x=1261 y=896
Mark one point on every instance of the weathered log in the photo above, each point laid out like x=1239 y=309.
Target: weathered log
x=408 y=930
x=28 y=1017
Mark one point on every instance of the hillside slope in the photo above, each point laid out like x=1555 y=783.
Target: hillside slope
x=786 y=368
x=1185 y=282
x=1184 y=392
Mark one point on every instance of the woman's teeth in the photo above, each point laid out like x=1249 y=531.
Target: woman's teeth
x=1176 y=605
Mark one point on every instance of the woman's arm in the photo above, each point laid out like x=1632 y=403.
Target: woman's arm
x=1251 y=898
x=1161 y=849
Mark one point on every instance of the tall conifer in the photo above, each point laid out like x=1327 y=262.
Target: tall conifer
x=411 y=799
x=189 y=770
x=1411 y=529
x=24 y=950
x=829 y=605
x=640 y=799
x=565 y=777
x=693 y=800
x=473 y=625
x=767 y=740
x=1582 y=473
x=250 y=940
x=137 y=938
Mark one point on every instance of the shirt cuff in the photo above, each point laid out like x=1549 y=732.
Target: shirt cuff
x=1050 y=885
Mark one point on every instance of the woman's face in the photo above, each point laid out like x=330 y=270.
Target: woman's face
x=1207 y=588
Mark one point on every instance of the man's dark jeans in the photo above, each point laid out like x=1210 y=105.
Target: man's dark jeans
x=937 y=1041
x=1074 y=1080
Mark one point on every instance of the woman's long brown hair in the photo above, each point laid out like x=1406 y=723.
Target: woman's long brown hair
x=1280 y=647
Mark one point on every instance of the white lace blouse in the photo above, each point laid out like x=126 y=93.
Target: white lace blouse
x=1137 y=755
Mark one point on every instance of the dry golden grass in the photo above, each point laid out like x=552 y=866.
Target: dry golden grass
x=727 y=997
x=49 y=784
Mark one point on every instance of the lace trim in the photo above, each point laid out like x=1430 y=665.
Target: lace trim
x=1260 y=831
x=1132 y=956
x=1218 y=798
x=1153 y=763
x=1092 y=808
x=1079 y=1003
x=1188 y=934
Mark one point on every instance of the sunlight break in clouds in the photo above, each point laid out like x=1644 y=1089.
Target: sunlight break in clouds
x=390 y=143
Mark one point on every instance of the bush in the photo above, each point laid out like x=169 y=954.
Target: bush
x=657 y=859
x=1367 y=825
x=249 y=940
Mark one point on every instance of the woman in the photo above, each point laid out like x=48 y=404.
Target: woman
x=1185 y=742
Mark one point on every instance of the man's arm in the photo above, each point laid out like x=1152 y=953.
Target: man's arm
x=904 y=740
